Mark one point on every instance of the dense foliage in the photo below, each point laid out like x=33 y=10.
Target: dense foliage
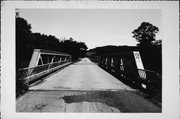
x=26 y=42
x=145 y=33
x=110 y=49
x=149 y=47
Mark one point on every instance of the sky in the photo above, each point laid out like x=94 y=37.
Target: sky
x=95 y=27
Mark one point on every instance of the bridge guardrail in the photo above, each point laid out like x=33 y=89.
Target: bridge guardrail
x=42 y=63
x=28 y=74
x=151 y=79
x=124 y=65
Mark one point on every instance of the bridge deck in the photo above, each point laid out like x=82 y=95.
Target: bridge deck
x=83 y=87
x=83 y=75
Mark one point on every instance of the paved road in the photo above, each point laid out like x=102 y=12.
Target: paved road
x=83 y=87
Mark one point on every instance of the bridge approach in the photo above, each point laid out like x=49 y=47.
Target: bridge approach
x=83 y=87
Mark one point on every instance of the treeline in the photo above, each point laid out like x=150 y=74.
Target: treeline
x=149 y=48
x=151 y=57
x=26 y=42
x=110 y=49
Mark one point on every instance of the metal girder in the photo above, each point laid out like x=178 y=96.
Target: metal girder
x=39 y=53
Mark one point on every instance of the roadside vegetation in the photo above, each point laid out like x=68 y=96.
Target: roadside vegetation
x=27 y=41
x=149 y=47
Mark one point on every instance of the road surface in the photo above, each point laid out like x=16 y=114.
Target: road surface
x=83 y=87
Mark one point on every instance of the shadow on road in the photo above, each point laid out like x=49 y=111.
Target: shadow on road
x=125 y=101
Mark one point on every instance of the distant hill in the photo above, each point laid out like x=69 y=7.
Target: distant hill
x=152 y=58
x=110 y=49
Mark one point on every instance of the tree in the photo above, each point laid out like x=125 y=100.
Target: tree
x=24 y=42
x=24 y=47
x=145 y=33
x=76 y=49
x=149 y=47
x=82 y=49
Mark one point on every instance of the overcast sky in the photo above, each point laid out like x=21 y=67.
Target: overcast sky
x=95 y=27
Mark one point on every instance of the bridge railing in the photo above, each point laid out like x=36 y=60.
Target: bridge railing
x=151 y=79
x=33 y=72
x=131 y=69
